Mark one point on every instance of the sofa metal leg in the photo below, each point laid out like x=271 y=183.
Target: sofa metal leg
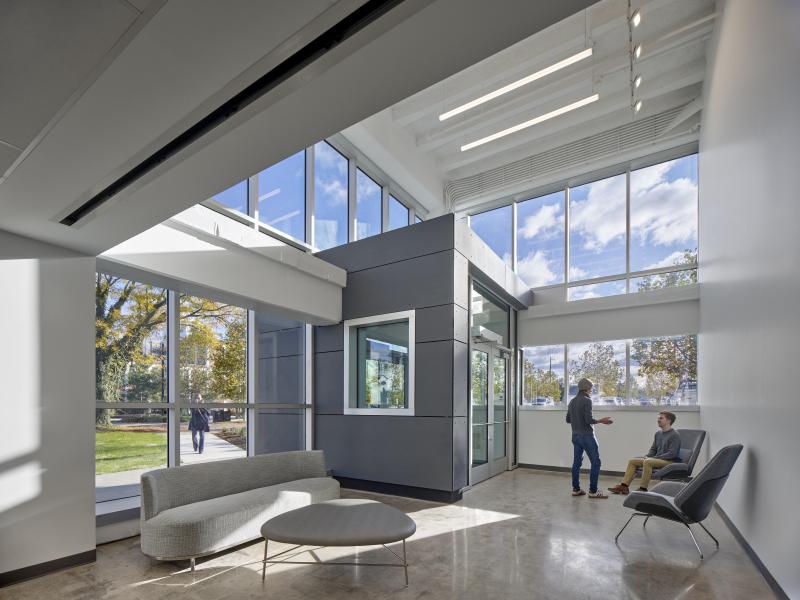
x=696 y=545
x=191 y=564
x=264 y=567
x=716 y=541
x=645 y=521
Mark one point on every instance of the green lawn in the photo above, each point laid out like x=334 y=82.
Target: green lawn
x=118 y=450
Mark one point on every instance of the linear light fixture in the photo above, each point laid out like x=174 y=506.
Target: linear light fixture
x=517 y=84
x=534 y=121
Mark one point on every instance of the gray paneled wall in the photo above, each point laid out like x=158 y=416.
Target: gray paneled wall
x=415 y=268
x=280 y=380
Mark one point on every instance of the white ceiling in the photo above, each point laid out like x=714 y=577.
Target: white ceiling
x=674 y=36
x=92 y=87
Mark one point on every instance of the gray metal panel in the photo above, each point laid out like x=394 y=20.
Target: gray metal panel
x=460 y=379
x=329 y=339
x=460 y=324
x=429 y=237
x=283 y=342
x=281 y=380
x=433 y=392
x=329 y=383
x=414 y=451
x=460 y=280
x=435 y=323
x=460 y=452
x=280 y=430
x=411 y=284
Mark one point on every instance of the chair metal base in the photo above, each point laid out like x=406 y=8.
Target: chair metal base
x=691 y=533
x=403 y=563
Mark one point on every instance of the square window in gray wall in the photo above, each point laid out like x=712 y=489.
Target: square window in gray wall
x=379 y=364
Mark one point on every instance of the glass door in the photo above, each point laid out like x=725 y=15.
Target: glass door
x=488 y=411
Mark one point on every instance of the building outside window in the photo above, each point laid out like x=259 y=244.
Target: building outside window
x=658 y=371
x=632 y=232
x=379 y=364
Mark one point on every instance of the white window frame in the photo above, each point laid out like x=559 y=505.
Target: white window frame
x=352 y=324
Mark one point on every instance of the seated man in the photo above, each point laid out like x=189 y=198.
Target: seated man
x=664 y=451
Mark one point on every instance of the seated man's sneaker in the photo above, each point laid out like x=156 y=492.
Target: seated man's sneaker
x=619 y=489
x=598 y=495
x=578 y=493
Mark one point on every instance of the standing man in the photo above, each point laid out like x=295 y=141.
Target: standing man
x=198 y=422
x=579 y=415
x=665 y=450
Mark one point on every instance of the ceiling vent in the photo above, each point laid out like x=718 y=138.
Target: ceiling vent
x=641 y=132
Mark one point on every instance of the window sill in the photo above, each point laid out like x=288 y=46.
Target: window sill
x=601 y=408
x=386 y=412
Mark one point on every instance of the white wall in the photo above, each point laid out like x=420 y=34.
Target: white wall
x=202 y=251
x=546 y=439
x=749 y=346
x=47 y=398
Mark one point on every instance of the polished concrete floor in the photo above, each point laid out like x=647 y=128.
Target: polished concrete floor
x=519 y=535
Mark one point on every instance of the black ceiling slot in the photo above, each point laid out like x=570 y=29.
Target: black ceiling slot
x=334 y=36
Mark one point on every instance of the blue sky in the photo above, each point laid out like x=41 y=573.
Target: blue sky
x=368 y=206
x=282 y=195
x=330 y=197
x=494 y=228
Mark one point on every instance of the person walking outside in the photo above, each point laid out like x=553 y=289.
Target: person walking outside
x=198 y=422
x=579 y=416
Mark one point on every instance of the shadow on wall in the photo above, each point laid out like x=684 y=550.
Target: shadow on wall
x=750 y=486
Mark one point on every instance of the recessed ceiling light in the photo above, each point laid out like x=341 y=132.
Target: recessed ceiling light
x=638 y=106
x=636 y=18
x=534 y=121
x=637 y=81
x=637 y=51
x=517 y=84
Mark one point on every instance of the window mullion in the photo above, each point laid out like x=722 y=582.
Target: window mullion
x=173 y=378
x=311 y=199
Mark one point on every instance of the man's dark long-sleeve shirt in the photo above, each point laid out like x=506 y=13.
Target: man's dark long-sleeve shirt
x=579 y=414
x=666 y=445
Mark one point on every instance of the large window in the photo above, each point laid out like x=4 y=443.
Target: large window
x=540 y=240
x=368 y=206
x=379 y=364
x=325 y=212
x=660 y=371
x=191 y=388
x=282 y=196
x=632 y=232
x=398 y=214
x=494 y=228
x=597 y=229
x=234 y=197
x=330 y=203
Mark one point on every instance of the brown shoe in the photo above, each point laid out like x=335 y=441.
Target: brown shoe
x=619 y=489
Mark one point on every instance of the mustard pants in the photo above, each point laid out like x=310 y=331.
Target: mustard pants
x=647 y=465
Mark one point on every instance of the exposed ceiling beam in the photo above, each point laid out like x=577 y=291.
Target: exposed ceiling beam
x=691 y=109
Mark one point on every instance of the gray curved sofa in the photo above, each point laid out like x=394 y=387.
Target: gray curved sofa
x=200 y=509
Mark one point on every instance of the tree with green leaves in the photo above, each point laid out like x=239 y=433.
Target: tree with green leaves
x=540 y=383
x=228 y=367
x=599 y=364
x=675 y=278
x=665 y=363
x=130 y=339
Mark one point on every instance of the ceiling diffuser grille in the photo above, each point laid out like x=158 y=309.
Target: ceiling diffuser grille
x=628 y=136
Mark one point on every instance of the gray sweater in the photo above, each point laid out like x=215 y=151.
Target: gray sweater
x=666 y=445
x=579 y=414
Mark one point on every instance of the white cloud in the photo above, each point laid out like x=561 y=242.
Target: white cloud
x=333 y=189
x=546 y=222
x=576 y=273
x=535 y=270
x=328 y=158
x=675 y=258
x=600 y=218
x=665 y=213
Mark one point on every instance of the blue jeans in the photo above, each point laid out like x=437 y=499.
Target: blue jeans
x=194 y=440
x=587 y=443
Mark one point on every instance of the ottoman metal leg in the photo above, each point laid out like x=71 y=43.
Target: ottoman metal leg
x=405 y=562
x=264 y=567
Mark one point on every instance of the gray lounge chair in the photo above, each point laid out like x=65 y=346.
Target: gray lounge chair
x=686 y=503
x=691 y=442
